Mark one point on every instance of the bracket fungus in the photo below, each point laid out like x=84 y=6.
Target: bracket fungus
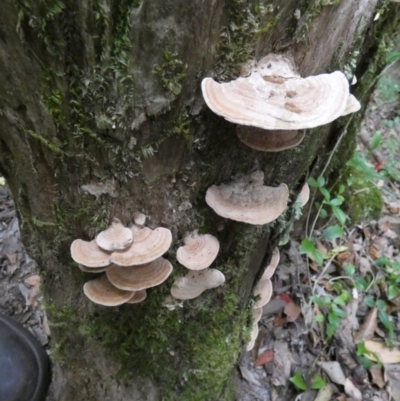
x=89 y=254
x=115 y=237
x=140 y=277
x=196 y=282
x=147 y=245
x=264 y=290
x=270 y=270
x=139 y=296
x=198 y=252
x=267 y=140
x=275 y=97
x=253 y=337
x=248 y=200
x=304 y=194
x=102 y=292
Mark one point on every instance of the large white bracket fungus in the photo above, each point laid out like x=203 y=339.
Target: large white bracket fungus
x=248 y=200
x=275 y=97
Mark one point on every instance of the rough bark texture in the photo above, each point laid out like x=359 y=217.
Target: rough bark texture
x=108 y=91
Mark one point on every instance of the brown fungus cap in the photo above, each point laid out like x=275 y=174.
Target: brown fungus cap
x=102 y=292
x=195 y=282
x=304 y=194
x=248 y=200
x=136 y=278
x=89 y=254
x=147 y=245
x=116 y=237
x=270 y=270
x=138 y=296
x=267 y=140
x=264 y=290
x=198 y=252
x=274 y=97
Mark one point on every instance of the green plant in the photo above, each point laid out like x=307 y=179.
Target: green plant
x=316 y=382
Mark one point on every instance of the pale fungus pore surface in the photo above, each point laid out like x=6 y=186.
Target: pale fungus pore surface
x=270 y=270
x=102 y=292
x=264 y=290
x=87 y=269
x=136 y=278
x=116 y=237
x=248 y=200
x=196 y=282
x=138 y=296
x=257 y=314
x=275 y=97
x=89 y=254
x=304 y=194
x=267 y=140
x=198 y=252
x=147 y=245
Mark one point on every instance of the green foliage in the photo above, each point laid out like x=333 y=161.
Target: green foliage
x=317 y=382
x=171 y=74
x=389 y=89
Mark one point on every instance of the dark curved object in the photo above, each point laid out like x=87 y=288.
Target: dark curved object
x=24 y=364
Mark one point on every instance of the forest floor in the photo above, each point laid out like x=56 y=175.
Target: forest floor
x=332 y=330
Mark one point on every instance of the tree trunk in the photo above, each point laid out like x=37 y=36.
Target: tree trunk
x=107 y=94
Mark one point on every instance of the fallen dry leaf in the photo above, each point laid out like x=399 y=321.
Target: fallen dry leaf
x=12 y=258
x=368 y=327
x=373 y=252
x=334 y=371
x=352 y=391
x=265 y=357
x=292 y=311
x=324 y=394
x=248 y=376
x=377 y=376
x=385 y=354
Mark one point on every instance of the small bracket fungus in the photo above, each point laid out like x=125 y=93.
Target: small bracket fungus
x=139 y=218
x=198 y=252
x=304 y=194
x=253 y=337
x=116 y=237
x=270 y=270
x=257 y=314
x=147 y=245
x=138 y=296
x=92 y=269
x=264 y=290
x=102 y=292
x=248 y=200
x=269 y=141
x=195 y=282
x=89 y=254
x=275 y=97
x=136 y=278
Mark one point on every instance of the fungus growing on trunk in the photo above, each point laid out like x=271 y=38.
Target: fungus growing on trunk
x=147 y=245
x=195 y=282
x=264 y=290
x=102 y=292
x=139 y=218
x=275 y=97
x=269 y=141
x=139 y=296
x=89 y=254
x=198 y=252
x=304 y=194
x=115 y=237
x=253 y=337
x=140 y=277
x=248 y=200
x=270 y=270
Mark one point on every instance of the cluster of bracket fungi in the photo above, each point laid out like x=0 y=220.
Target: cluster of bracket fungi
x=273 y=106
x=131 y=259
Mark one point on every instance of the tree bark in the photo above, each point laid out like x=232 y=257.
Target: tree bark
x=108 y=92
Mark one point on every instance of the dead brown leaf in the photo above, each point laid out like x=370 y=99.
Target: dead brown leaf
x=377 y=376
x=352 y=391
x=292 y=311
x=368 y=327
x=386 y=355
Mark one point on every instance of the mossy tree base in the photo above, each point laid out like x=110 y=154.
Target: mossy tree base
x=109 y=92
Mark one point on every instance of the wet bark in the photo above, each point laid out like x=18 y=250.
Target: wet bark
x=107 y=94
